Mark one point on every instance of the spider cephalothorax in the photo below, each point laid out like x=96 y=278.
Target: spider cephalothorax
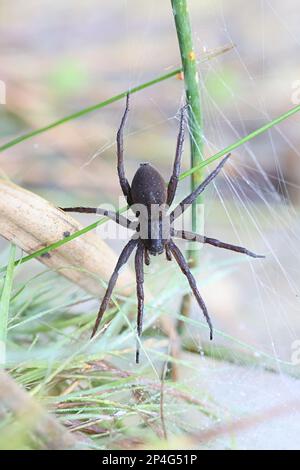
x=150 y=198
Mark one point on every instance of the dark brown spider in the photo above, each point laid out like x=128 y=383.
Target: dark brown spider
x=154 y=230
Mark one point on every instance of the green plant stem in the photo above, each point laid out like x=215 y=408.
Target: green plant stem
x=5 y=301
x=209 y=160
x=193 y=98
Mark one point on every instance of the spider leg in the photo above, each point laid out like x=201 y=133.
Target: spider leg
x=139 y=261
x=172 y=186
x=168 y=253
x=185 y=203
x=195 y=237
x=120 y=147
x=186 y=271
x=118 y=218
x=123 y=258
x=147 y=257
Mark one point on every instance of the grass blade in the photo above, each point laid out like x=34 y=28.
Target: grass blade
x=87 y=110
x=5 y=302
x=242 y=141
x=111 y=100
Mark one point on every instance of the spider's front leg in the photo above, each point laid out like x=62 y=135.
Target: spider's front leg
x=188 y=200
x=123 y=258
x=172 y=186
x=192 y=282
x=120 y=152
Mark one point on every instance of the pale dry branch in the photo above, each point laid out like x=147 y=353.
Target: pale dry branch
x=31 y=222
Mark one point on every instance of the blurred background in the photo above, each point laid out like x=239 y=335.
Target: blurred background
x=59 y=57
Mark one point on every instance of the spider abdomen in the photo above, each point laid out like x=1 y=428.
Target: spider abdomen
x=148 y=187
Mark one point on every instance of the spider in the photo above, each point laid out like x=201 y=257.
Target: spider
x=154 y=230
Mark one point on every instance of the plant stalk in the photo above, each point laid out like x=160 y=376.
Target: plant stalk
x=193 y=98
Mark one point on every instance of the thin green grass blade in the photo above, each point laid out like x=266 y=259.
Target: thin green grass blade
x=5 y=302
x=111 y=100
x=88 y=110
x=242 y=141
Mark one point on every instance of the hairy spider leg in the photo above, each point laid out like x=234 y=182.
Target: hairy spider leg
x=188 y=200
x=172 y=186
x=192 y=282
x=118 y=218
x=120 y=147
x=139 y=269
x=147 y=256
x=168 y=252
x=123 y=258
x=195 y=237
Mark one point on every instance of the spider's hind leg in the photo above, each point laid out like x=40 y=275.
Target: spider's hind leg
x=139 y=269
x=192 y=282
x=123 y=258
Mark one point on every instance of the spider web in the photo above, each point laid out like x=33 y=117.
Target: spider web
x=254 y=304
x=256 y=311
x=256 y=199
